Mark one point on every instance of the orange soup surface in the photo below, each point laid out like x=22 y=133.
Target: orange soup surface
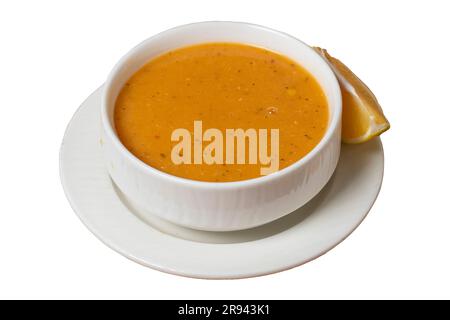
x=225 y=86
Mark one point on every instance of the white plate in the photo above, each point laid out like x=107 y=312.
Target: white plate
x=291 y=241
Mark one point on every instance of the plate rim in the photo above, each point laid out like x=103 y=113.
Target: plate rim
x=111 y=243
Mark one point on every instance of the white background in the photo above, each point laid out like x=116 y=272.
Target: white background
x=53 y=54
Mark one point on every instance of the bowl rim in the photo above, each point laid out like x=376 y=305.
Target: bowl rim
x=147 y=169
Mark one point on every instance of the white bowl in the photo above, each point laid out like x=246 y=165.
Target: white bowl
x=221 y=206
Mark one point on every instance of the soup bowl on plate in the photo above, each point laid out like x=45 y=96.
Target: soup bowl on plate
x=221 y=206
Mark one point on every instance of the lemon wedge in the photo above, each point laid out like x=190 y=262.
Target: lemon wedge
x=362 y=116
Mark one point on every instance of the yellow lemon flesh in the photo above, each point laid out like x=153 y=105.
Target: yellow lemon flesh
x=362 y=116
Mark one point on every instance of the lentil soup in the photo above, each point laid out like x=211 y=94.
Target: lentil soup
x=224 y=85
